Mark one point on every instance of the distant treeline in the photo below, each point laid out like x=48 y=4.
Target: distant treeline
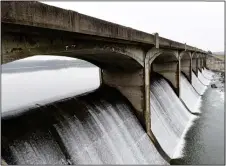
x=37 y=65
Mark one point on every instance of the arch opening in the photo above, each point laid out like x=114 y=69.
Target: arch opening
x=167 y=64
x=195 y=63
x=186 y=64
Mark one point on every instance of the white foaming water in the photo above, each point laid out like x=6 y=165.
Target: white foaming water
x=93 y=129
x=169 y=118
x=207 y=74
x=199 y=87
x=188 y=94
x=221 y=93
x=202 y=79
x=43 y=85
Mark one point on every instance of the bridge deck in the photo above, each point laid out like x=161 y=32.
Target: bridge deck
x=44 y=16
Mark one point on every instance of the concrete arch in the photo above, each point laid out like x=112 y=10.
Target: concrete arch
x=166 y=63
x=110 y=58
x=163 y=55
x=185 y=55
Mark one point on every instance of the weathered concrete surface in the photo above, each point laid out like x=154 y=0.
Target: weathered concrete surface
x=126 y=56
x=200 y=62
x=195 y=63
x=168 y=65
x=29 y=42
x=186 y=64
x=131 y=85
x=37 y=17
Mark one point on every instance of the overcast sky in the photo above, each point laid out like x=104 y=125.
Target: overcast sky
x=200 y=24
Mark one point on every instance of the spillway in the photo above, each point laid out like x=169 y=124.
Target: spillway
x=202 y=79
x=189 y=95
x=96 y=128
x=207 y=74
x=99 y=127
x=169 y=117
x=199 y=87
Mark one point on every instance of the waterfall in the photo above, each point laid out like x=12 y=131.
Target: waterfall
x=96 y=128
x=207 y=74
x=169 y=117
x=202 y=79
x=189 y=95
x=199 y=87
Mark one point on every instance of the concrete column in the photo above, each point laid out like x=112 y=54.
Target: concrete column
x=194 y=63
x=178 y=73
x=204 y=61
x=131 y=85
x=147 y=114
x=199 y=59
x=196 y=66
x=190 y=78
x=100 y=76
x=186 y=65
x=202 y=65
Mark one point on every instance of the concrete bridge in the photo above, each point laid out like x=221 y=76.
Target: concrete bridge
x=127 y=57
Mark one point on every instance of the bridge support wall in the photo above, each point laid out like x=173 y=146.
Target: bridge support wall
x=171 y=71
x=186 y=68
x=131 y=85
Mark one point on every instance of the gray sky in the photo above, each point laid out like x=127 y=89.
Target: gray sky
x=200 y=24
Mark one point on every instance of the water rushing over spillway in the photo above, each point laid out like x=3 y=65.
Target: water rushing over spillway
x=207 y=74
x=98 y=128
x=169 y=117
x=202 y=79
x=198 y=85
x=189 y=95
